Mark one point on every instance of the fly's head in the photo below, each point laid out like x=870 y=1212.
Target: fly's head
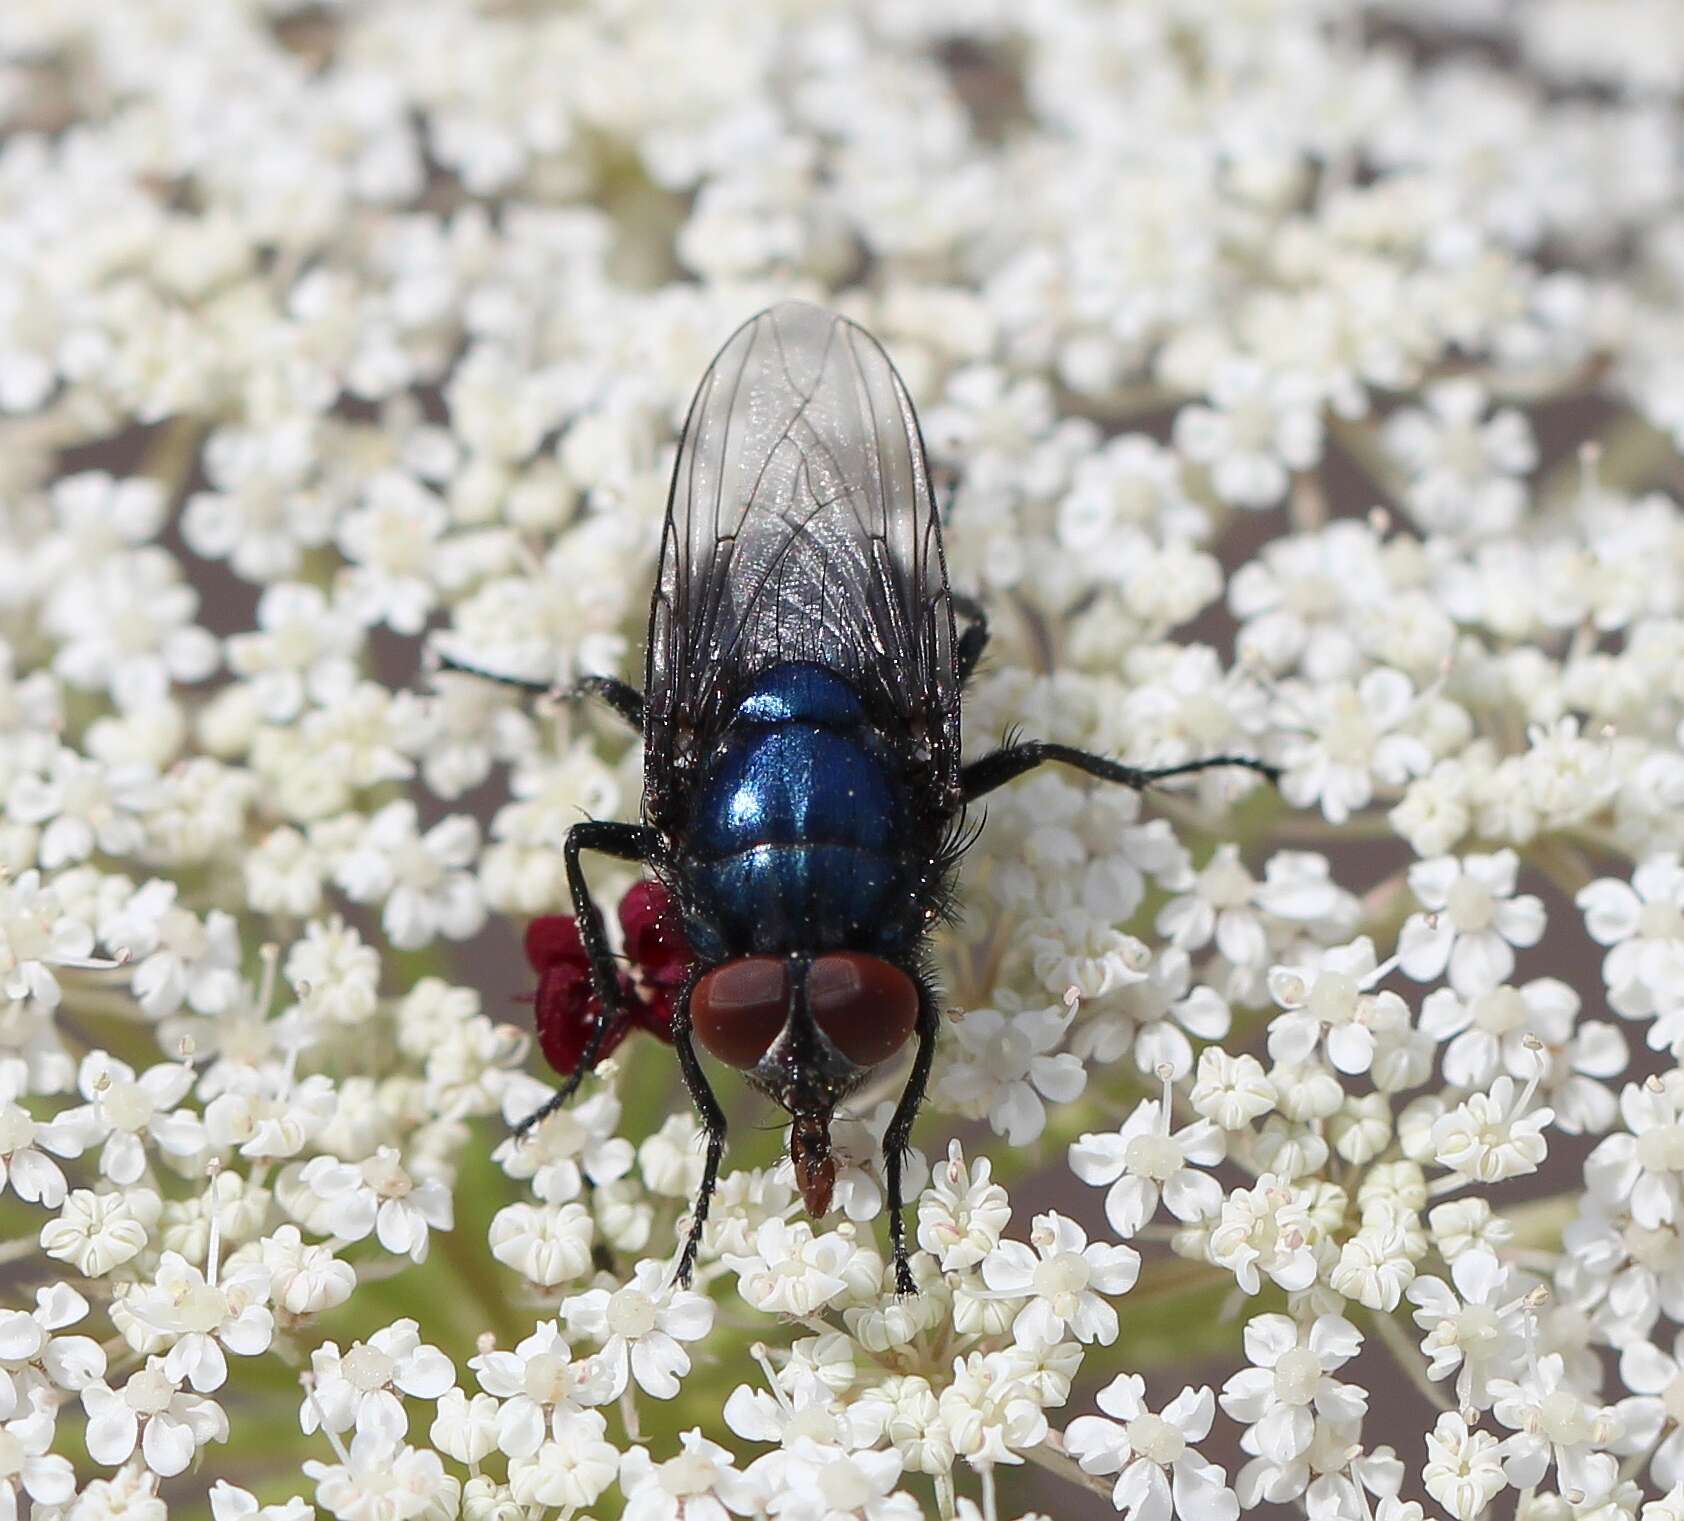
x=806 y=1030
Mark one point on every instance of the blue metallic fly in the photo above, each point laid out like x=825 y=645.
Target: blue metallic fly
x=804 y=797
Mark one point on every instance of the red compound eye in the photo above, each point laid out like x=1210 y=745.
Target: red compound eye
x=739 y=1009
x=865 y=1006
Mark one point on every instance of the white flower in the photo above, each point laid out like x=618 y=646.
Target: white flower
x=1231 y=1091
x=1464 y=1469
x=27 y=1467
x=1495 y=1135
x=799 y=1403
x=1641 y=1170
x=571 y=1469
x=201 y=1315
x=1160 y=1474
x=228 y=1502
x=1006 y=1065
x=962 y=1213
x=1462 y=468
x=1343 y=739
x=306 y=651
x=264 y=1113
x=545 y=1243
x=98 y=1232
x=1656 y=1380
x=640 y=1327
x=127 y=1111
x=1332 y=999
x=1290 y=1383
x=1258 y=427
x=126 y=625
x=1154 y=1016
x=392 y=542
x=35 y=936
x=335 y=975
x=538 y=1384
x=1064 y=1279
x=1477 y=1328
x=1377 y=1264
x=990 y=1411
x=421 y=878
x=34 y=1360
x=363 y=1388
x=178 y=957
x=1296 y=601
x=1473 y=920
x=1265 y=1230
x=789 y=1270
x=380 y=1480
x=379 y=1195
x=818 y=1483
x=1548 y=1419
x=1642 y=924
x=305 y=1278
x=465 y=1428
x=264 y=508
x=1143 y=1161
x=24 y=1165
x=574 y=1143
x=700 y=1483
x=168 y=1425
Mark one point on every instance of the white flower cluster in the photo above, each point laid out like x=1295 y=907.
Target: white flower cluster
x=1306 y=380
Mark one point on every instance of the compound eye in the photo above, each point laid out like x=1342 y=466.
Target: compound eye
x=737 y=1010
x=865 y=1006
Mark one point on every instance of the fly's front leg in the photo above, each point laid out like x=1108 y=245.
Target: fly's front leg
x=1004 y=765
x=623 y=698
x=899 y=1133
x=627 y=842
x=713 y=1126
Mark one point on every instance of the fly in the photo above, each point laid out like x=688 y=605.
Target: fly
x=804 y=796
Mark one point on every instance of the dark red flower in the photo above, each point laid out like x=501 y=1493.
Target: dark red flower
x=566 y=1009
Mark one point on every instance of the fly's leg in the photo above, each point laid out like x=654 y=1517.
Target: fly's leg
x=623 y=698
x=626 y=842
x=713 y=1126
x=973 y=637
x=899 y=1133
x=981 y=777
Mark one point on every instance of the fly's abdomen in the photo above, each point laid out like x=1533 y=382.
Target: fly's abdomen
x=796 y=836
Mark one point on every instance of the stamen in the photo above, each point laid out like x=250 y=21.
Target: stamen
x=213 y=1248
x=759 y=1353
x=270 y=955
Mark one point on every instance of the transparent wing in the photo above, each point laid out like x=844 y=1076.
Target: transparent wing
x=801 y=527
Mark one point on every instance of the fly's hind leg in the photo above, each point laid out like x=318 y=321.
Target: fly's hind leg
x=627 y=842
x=623 y=698
x=899 y=1133
x=713 y=1126
x=982 y=776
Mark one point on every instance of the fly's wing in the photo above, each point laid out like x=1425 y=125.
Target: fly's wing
x=801 y=527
